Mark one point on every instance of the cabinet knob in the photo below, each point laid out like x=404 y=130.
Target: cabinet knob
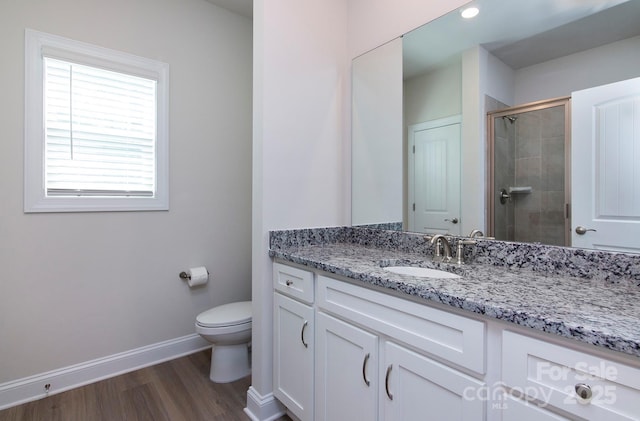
x=453 y=221
x=289 y=282
x=584 y=391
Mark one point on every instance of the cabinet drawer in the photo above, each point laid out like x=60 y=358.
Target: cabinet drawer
x=454 y=338
x=514 y=409
x=554 y=375
x=294 y=282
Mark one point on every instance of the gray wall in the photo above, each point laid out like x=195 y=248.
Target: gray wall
x=560 y=77
x=78 y=286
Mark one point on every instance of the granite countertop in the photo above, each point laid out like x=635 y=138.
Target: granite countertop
x=588 y=310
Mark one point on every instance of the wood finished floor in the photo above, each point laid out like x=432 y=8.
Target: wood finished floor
x=175 y=390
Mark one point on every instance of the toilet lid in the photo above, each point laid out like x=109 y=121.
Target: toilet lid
x=226 y=315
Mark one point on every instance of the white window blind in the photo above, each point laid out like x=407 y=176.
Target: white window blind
x=96 y=133
x=100 y=131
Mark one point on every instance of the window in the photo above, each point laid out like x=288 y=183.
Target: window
x=96 y=128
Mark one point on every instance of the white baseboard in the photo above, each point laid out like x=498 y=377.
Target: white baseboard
x=263 y=408
x=32 y=388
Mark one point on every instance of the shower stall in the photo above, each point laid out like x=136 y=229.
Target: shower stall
x=528 y=192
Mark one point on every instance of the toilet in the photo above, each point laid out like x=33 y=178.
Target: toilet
x=228 y=328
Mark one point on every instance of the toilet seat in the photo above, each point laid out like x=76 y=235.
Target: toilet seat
x=231 y=314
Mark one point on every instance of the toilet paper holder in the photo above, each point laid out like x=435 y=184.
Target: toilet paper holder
x=184 y=275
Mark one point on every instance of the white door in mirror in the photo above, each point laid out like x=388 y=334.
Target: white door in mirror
x=605 y=162
x=434 y=176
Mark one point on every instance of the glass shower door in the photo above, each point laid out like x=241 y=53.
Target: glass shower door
x=529 y=187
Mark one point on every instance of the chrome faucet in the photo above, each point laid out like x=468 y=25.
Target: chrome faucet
x=476 y=233
x=438 y=240
x=480 y=234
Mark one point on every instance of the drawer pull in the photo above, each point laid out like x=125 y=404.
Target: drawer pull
x=386 y=382
x=289 y=282
x=364 y=369
x=584 y=391
x=304 y=326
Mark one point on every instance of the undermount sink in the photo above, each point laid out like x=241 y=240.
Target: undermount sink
x=421 y=272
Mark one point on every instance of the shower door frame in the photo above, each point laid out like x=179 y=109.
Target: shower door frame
x=519 y=109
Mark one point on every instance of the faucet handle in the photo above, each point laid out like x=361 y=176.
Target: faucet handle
x=460 y=251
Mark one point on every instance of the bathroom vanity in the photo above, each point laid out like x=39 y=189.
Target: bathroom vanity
x=523 y=334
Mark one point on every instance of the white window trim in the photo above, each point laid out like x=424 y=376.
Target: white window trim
x=35 y=197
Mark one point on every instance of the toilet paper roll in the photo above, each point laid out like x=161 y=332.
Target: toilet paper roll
x=197 y=276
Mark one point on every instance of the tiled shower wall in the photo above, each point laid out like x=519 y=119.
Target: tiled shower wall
x=539 y=216
x=530 y=153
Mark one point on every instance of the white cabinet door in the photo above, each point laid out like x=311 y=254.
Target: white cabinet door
x=293 y=355
x=414 y=387
x=346 y=371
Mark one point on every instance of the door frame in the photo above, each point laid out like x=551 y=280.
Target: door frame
x=489 y=186
x=412 y=129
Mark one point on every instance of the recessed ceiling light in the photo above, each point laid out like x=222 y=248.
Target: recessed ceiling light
x=470 y=12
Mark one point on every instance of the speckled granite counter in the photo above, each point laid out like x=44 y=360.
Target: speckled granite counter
x=593 y=297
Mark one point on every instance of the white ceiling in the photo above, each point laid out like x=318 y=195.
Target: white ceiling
x=241 y=7
x=522 y=32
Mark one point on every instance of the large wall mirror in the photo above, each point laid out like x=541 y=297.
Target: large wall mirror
x=518 y=122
